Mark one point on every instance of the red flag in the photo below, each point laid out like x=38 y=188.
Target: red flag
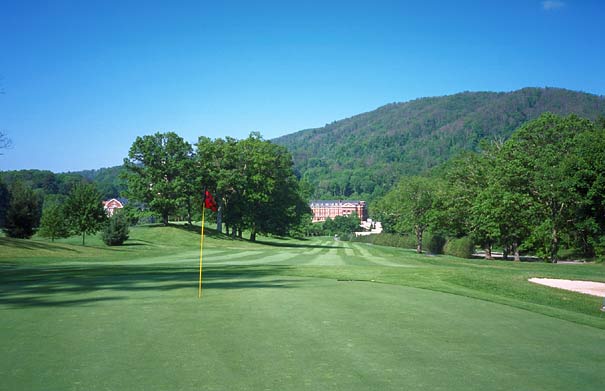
x=209 y=202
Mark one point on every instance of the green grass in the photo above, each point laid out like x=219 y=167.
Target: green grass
x=287 y=315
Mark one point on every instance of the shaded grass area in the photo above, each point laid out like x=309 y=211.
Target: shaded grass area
x=288 y=314
x=143 y=328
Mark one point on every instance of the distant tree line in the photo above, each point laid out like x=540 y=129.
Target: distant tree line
x=106 y=180
x=24 y=211
x=342 y=226
x=252 y=181
x=541 y=191
x=41 y=201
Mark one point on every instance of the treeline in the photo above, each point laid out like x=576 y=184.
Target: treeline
x=364 y=156
x=541 y=191
x=29 y=197
x=106 y=180
x=25 y=211
x=341 y=226
x=252 y=181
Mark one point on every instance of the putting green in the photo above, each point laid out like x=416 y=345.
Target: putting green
x=139 y=326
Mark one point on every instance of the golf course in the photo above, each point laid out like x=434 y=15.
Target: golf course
x=286 y=314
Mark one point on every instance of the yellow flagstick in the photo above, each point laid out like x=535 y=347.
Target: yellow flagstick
x=199 y=290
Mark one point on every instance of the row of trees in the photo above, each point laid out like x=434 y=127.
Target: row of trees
x=252 y=180
x=25 y=211
x=542 y=189
x=343 y=226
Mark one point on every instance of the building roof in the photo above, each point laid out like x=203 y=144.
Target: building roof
x=336 y=202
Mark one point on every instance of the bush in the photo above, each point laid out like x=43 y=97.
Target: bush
x=116 y=231
x=461 y=248
x=435 y=243
x=392 y=240
x=23 y=214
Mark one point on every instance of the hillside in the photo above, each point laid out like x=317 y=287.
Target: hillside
x=364 y=155
x=107 y=180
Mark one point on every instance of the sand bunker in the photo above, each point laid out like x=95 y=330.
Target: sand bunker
x=587 y=287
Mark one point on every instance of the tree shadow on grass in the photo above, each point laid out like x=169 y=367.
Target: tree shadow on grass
x=293 y=245
x=29 y=244
x=64 y=286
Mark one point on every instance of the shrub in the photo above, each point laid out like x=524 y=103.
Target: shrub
x=392 y=240
x=116 y=231
x=23 y=214
x=435 y=243
x=461 y=248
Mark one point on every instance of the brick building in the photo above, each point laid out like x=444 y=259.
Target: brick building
x=324 y=209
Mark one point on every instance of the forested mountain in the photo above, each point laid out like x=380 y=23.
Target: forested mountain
x=107 y=180
x=363 y=156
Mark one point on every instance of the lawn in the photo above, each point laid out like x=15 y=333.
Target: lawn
x=287 y=315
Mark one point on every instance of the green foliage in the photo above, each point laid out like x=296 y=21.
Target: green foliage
x=365 y=155
x=435 y=243
x=23 y=214
x=254 y=183
x=538 y=191
x=389 y=239
x=342 y=226
x=408 y=208
x=156 y=170
x=84 y=211
x=53 y=223
x=109 y=181
x=4 y=202
x=116 y=230
x=542 y=153
x=459 y=247
x=45 y=181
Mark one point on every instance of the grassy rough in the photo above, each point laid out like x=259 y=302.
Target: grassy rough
x=287 y=314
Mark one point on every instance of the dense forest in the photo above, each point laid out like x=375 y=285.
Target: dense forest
x=541 y=191
x=106 y=180
x=365 y=155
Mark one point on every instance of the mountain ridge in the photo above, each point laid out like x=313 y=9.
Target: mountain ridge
x=363 y=155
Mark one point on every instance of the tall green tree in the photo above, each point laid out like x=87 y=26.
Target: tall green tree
x=84 y=210
x=269 y=196
x=541 y=155
x=23 y=215
x=53 y=223
x=156 y=171
x=409 y=207
x=588 y=167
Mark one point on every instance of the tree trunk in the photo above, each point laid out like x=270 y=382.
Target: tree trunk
x=226 y=230
x=239 y=232
x=219 y=216
x=488 y=251
x=253 y=234
x=505 y=252
x=189 y=210
x=83 y=238
x=165 y=218
x=419 y=240
x=516 y=251
x=554 y=245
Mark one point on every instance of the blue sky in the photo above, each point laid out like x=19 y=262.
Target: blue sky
x=81 y=80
